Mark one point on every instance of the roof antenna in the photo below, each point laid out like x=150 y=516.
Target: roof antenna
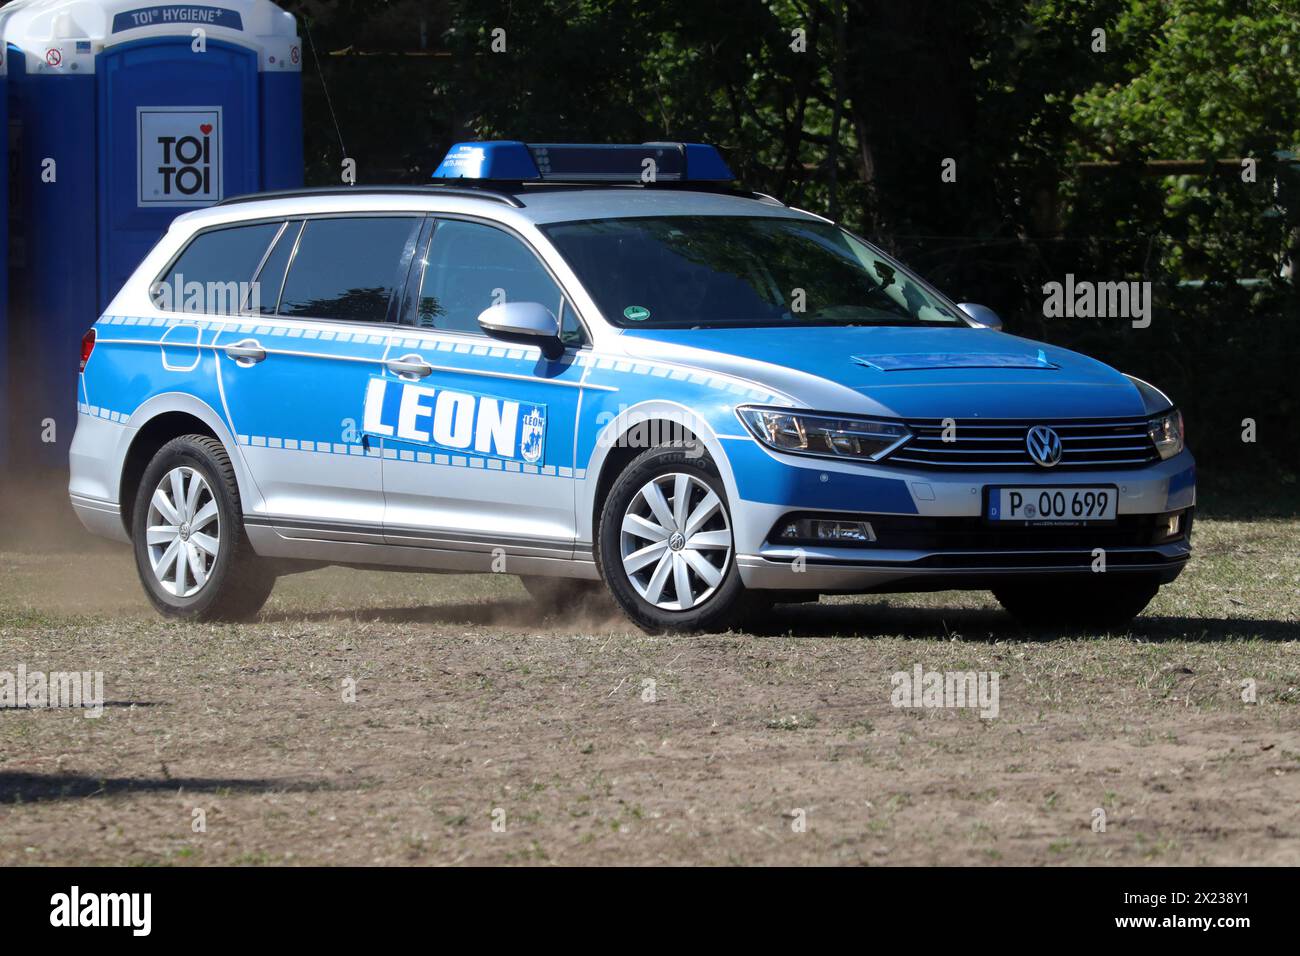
x=324 y=86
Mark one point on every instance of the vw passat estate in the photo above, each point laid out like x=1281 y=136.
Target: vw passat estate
x=603 y=366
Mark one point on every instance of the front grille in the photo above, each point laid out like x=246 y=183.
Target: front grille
x=1000 y=444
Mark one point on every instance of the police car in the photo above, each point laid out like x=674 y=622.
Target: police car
x=604 y=366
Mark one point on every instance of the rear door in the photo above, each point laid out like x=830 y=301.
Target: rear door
x=295 y=369
x=478 y=443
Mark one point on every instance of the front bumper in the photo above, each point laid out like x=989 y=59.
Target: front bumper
x=966 y=570
x=931 y=532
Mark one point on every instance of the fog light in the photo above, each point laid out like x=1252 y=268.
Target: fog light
x=1172 y=525
x=828 y=531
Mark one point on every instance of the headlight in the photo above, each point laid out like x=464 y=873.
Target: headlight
x=830 y=436
x=1166 y=431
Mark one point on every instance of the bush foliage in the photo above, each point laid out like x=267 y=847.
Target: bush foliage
x=1061 y=118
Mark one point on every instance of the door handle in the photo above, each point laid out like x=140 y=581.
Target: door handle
x=246 y=352
x=409 y=367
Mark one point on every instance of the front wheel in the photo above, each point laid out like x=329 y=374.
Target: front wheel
x=1089 y=603
x=665 y=545
x=188 y=535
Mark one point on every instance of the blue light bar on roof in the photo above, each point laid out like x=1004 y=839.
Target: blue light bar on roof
x=508 y=160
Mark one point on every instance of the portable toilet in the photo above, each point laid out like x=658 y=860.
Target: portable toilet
x=124 y=116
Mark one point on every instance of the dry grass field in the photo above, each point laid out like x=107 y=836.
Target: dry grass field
x=483 y=733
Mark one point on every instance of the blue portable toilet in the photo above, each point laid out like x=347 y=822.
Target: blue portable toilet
x=126 y=114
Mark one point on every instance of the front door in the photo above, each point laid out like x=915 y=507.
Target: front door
x=478 y=432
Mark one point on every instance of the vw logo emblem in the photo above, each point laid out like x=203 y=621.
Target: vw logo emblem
x=1044 y=445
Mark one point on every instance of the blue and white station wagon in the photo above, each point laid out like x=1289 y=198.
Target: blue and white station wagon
x=604 y=366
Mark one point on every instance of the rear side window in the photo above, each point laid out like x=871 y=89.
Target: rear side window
x=348 y=268
x=215 y=272
x=470 y=267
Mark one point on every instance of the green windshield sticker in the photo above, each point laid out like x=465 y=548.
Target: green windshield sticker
x=636 y=313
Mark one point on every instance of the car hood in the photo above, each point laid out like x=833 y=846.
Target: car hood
x=904 y=372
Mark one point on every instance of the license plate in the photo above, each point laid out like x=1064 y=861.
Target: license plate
x=1048 y=504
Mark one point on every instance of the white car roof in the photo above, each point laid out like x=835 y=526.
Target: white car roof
x=535 y=206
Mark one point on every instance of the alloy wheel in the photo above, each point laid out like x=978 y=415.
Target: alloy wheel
x=675 y=542
x=183 y=532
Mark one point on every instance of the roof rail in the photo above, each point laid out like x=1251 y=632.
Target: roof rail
x=471 y=192
x=713 y=188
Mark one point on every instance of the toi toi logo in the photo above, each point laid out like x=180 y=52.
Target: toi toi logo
x=187 y=162
x=180 y=156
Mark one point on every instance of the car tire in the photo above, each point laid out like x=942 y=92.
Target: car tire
x=646 y=585
x=552 y=595
x=209 y=536
x=1108 y=603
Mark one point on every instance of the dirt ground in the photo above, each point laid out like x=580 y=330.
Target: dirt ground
x=482 y=733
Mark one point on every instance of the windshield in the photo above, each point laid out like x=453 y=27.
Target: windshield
x=724 y=271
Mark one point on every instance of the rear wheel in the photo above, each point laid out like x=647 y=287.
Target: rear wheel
x=1103 y=603
x=188 y=534
x=665 y=545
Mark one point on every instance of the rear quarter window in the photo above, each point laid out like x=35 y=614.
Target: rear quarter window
x=215 y=271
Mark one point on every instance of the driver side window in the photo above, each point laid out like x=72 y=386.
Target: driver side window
x=469 y=267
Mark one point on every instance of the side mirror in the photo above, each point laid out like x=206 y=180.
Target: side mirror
x=981 y=315
x=528 y=322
